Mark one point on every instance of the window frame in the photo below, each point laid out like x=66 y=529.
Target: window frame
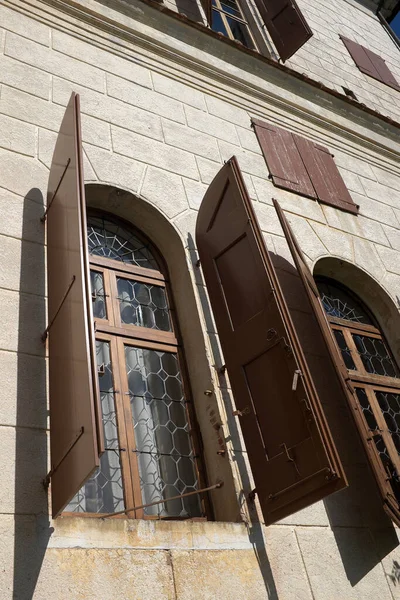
x=360 y=378
x=119 y=336
x=244 y=20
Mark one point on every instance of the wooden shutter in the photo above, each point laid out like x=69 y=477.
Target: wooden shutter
x=75 y=425
x=370 y=63
x=291 y=453
x=283 y=159
x=206 y=4
x=325 y=177
x=302 y=166
x=360 y=57
x=342 y=379
x=383 y=70
x=286 y=25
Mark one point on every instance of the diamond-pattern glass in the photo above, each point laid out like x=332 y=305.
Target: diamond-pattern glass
x=390 y=406
x=386 y=401
x=143 y=304
x=338 y=303
x=103 y=492
x=163 y=446
x=375 y=356
x=345 y=350
x=98 y=295
x=110 y=240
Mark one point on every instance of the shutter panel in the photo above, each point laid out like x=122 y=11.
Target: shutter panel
x=342 y=377
x=75 y=425
x=283 y=158
x=359 y=55
x=383 y=70
x=286 y=25
x=325 y=177
x=291 y=453
x=206 y=4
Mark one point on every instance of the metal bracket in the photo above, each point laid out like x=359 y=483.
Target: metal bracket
x=46 y=480
x=46 y=331
x=43 y=219
x=241 y=413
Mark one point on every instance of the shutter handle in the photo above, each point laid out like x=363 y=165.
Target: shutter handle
x=290 y=459
x=296 y=379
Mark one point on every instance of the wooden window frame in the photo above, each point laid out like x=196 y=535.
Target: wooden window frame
x=243 y=20
x=360 y=378
x=119 y=336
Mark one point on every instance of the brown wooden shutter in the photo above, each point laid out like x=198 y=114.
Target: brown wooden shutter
x=370 y=63
x=292 y=456
x=206 y=4
x=342 y=376
x=325 y=177
x=360 y=57
x=283 y=159
x=302 y=166
x=76 y=433
x=383 y=70
x=286 y=25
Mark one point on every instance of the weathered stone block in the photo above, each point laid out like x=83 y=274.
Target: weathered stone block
x=197 y=143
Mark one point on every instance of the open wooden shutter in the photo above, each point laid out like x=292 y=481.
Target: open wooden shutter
x=206 y=4
x=286 y=25
x=342 y=379
x=291 y=452
x=325 y=177
x=76 y=432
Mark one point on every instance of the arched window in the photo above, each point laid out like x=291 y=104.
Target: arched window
x=151 y=453
x=373 y=372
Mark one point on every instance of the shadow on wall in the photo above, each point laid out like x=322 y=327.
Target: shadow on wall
x=255 y=527
x=32 y=529
x=363 y=533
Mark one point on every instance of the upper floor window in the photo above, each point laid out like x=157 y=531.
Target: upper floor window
x=228 y=18
x=373 y=372
x=150 y=451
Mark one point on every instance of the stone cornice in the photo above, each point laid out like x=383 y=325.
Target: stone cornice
x=151 y=38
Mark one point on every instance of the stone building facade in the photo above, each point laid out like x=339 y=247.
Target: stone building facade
x=165 y=101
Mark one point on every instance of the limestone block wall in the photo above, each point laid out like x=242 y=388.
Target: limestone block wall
x=161 y=111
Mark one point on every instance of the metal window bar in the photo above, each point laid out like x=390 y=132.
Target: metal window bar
x=135 y=508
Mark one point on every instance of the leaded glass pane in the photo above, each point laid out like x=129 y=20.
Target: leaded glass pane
x=163 y=445
x=98 y=295
x=345 y=350
x=390 y=406
x=375 y=356
x=110 y=240
x=103 y=492
x=339 y=303
x=143 y=304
